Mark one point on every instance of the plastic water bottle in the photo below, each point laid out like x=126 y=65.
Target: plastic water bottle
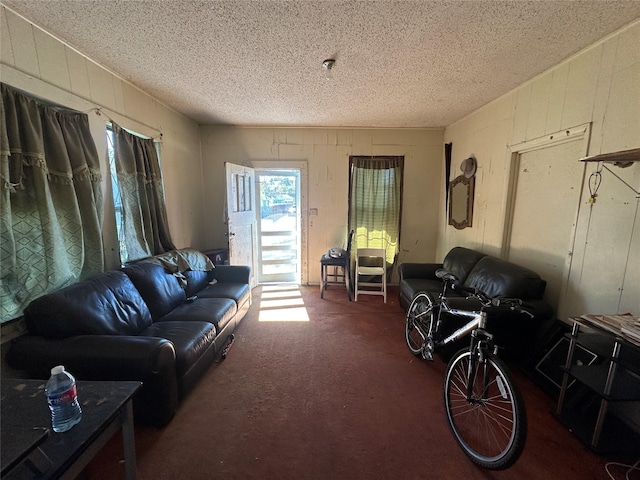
x=63 y=399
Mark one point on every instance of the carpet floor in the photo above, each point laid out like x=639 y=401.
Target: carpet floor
x=327 y=389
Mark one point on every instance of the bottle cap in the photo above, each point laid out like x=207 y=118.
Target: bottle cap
x=57 y=370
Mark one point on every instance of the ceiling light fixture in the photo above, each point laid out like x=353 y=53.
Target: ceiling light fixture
x=328 y=67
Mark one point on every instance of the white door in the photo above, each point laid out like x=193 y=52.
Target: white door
x=544 y=214
x=241 y=217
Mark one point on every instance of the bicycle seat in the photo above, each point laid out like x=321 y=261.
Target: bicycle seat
x=444 y=275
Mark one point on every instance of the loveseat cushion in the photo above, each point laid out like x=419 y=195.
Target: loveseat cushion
x=106 y=304
x=460 y=261
x=190 y=340
x=161 y=290
x=217 y=311
x=411 y=286
x=496 y=277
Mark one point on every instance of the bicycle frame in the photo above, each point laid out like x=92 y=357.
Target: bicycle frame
x=477 y=320
x=479 y=338
x=476 y=326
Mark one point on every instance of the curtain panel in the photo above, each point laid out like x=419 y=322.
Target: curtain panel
x=146 y=229
x=51 y=200
x=375 y=202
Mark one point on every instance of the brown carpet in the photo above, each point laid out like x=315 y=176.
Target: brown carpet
x=327 y=389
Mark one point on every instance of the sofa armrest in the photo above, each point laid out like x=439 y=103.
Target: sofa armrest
x=150 y=360
x=95 y=357
x=231 y=273
x=541 y=309
x=418 y=270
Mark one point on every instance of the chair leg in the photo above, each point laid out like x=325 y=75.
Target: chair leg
x=336 y=278
x=356 y=288
x=384 y=287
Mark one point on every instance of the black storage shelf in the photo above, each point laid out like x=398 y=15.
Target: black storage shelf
x=602 y=431
x=625 y=387
x=602 y=344
x=615 y=437
x=595 y=342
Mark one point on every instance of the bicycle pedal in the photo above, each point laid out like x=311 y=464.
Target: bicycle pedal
x=427 y=355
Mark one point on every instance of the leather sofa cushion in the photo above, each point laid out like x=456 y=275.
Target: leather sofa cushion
x=217 y=311
x=411 y=286
x=496 y=277
x=106 y=304
x=196 y=281
x=460 y=261
x=425 y=271
x=190 y=340
x=239 y=292
x=161 y=290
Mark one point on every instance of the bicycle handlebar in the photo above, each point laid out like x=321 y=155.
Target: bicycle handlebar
x=514 y=304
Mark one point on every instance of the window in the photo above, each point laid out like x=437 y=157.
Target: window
x=138 y=195
x=117 y=198
x=375 y=202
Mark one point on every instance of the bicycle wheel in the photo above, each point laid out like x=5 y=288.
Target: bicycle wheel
x=491 y=425
x=419 y=313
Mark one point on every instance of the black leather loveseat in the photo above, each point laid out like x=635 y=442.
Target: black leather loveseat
x=161 y=321
x=516 y=333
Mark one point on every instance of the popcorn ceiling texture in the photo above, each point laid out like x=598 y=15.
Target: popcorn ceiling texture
x=398 y=63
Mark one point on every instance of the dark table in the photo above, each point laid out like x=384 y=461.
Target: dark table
x=32 y=450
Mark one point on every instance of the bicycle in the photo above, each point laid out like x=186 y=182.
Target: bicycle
x=484 y=408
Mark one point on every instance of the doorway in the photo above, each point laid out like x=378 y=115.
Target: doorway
x=545 y=195
x=279 y=225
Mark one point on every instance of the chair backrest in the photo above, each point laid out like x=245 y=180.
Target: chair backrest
x=349 y=242
x=376 y=256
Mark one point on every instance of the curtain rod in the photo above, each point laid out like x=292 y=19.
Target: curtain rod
x=100 y=112
x=42 y=91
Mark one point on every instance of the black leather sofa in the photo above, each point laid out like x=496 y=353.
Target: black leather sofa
x=516 y=333
x=162 y=321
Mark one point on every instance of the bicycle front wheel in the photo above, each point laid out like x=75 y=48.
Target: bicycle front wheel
x=419 y=322
x=485 y=410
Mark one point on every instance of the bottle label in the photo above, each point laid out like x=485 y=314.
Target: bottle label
x=64 y=397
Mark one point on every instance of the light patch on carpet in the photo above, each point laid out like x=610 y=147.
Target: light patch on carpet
x=281 y=303
x=284 y=315
x=280 y=292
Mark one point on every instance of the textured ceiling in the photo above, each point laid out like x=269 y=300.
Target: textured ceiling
x=398 y=63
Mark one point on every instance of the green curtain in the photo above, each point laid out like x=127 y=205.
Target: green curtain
x=375 y=203
x=51 y=200
x=146 y=229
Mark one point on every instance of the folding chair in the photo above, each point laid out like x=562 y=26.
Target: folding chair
x=371 y=264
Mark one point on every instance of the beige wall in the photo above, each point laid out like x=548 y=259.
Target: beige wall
x=36 y=62
x=326 y=152
x=601 y=87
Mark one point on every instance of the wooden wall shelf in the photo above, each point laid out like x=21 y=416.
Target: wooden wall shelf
x=622 y=159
